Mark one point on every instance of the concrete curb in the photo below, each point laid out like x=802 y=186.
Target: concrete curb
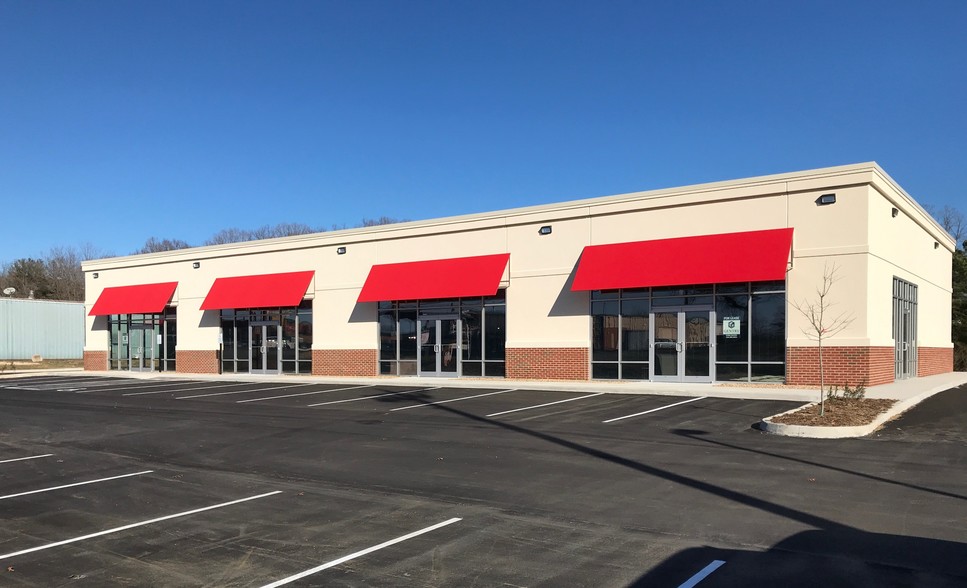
x=817 y=432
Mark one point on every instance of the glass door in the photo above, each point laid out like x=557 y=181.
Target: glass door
x=682 y=345
x=439 y=348
x=264 y=347
x=142 y=348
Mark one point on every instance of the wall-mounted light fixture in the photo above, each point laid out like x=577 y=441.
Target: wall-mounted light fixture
x=936 y=245
x=826 y=199
x=196 y=264
x=545 y=230
x=340 y=250
x=894 y=212
x=94 y=275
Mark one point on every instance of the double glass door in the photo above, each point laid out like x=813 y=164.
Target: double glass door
x=439 y=349
x=143 y=346
x=682 y=345
x=264 y=345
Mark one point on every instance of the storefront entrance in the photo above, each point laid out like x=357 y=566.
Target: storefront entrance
x=682 y=344
x=439 y=348
x=264 y=338
x=143 y=348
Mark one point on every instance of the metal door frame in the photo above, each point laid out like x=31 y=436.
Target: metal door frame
x=680 y=311
x=438 y=373
x=144 y=353
x=263 y=350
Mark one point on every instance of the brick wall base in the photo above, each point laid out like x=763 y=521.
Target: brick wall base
x=547 y=363
x=841 y=365
x=345 y=362
x=192 y=361
x=934 y=360
x=96 y=361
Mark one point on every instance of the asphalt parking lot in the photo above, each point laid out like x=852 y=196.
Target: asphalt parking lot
x=107 y=481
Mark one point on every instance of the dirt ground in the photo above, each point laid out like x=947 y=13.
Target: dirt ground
x=44 y=364
x=839 y=412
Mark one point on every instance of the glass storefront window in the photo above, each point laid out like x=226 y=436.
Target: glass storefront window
x=482 y=330
x=768 y=327
x=294 y=346
x=750 y=329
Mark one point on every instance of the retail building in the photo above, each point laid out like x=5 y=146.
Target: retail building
x=693 y=284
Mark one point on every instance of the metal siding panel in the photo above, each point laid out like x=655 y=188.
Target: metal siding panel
x=54 y=330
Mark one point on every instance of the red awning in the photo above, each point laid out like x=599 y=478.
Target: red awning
x=262 y=291
x=440 y=278
x=141 y=299
x=708 y=259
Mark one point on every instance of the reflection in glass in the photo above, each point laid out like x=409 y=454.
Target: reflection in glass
x=768 y=327
x=729 y=345
x=634 y=330
x=697 y=350
x=666 y=344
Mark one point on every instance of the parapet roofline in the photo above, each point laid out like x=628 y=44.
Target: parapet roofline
x=348 y=235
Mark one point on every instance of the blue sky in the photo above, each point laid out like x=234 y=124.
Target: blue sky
x=124 y=120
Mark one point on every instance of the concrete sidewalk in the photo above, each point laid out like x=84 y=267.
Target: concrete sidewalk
x=914 y=389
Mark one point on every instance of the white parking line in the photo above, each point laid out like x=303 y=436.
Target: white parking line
x=352 y=556
x=75 y=484
x=244 y=391
x=655 y=409
x=25 y=458
x=371 y=397
x=301 y=394
x=180 y=390
x=704 y=573
x=110 y=387
x=133 y=525
x=452 y=400
x=543 y=405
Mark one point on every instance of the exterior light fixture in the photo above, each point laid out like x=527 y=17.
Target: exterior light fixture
x=340 y=250
x=826 y=199
x=196 y=264
x=895 y=212
x=94 y=275
x=936 y=245
x=545 y=230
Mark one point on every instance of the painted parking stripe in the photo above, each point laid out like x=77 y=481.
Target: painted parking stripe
x=371 y=397
x=175 y=391
x=361 y=553
x=704 y=573
x=543 y=405
x=139 y=524
x=302 y=394
x=75 y=484
x=26 y=458
x=153 y=384
x=655 y=409
x=245 y=391
x=452 y=400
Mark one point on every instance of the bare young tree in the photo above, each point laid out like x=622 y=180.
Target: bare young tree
x=821 y=324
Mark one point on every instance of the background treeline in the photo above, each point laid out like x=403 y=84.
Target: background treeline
x=57 y=275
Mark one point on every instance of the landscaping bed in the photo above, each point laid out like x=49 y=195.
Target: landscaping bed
x=839 y=412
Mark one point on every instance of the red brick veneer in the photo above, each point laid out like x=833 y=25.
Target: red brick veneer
x=196 y=361
x=841 y=365
x=344 y=362
x=547 y=363
x=934 y=360
x=96 y=361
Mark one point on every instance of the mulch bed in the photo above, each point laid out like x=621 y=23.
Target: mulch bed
x=840 y=412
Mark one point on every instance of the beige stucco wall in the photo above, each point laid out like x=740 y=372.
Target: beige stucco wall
x=857 y=234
